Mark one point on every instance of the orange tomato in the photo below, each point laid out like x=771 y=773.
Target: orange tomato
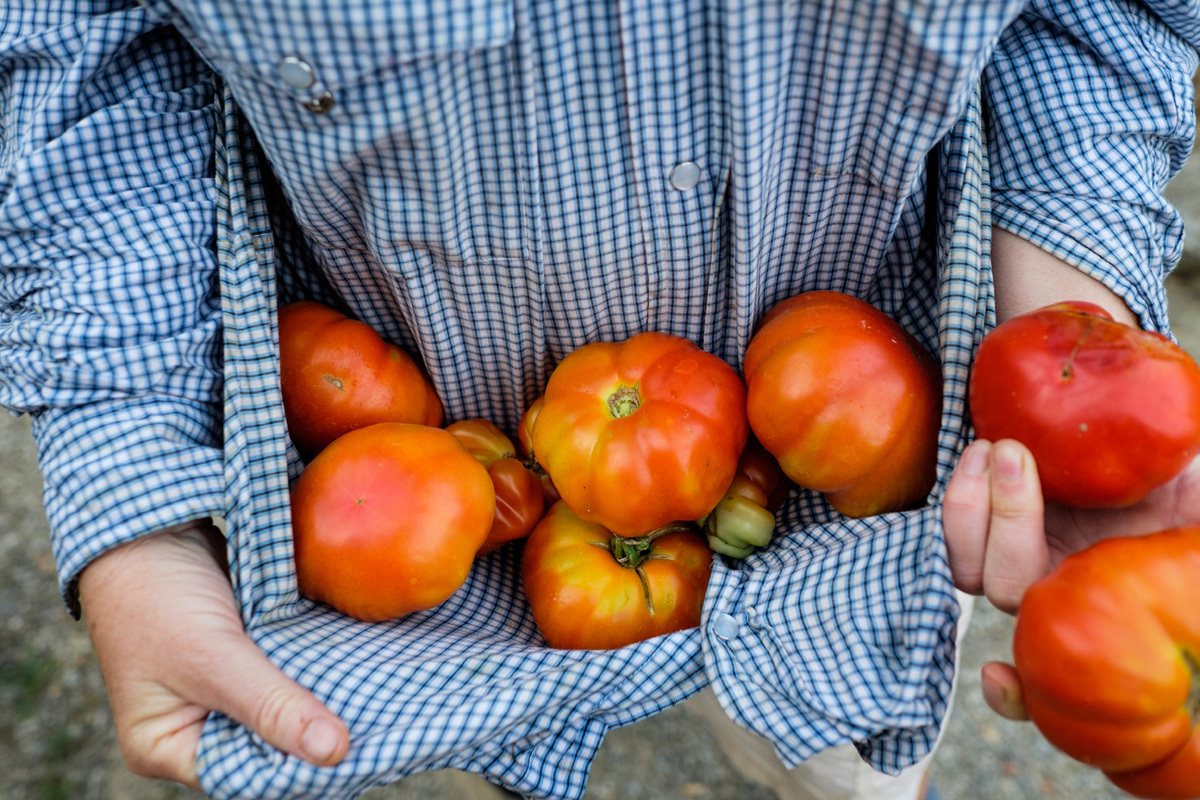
x=1107 y=648
x=387 y=520
x=847 y=400
x=589 y=589
x=640 y=433
x=337 y=374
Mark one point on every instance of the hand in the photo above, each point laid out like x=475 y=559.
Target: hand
x=171 y=646
x=1001 y=537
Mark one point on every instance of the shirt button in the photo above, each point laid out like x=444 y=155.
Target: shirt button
x=725 y=626
x=685 y=175
x=319 y=104
x=296 y=73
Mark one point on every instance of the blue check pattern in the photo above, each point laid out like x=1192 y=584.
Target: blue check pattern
x=488 y=182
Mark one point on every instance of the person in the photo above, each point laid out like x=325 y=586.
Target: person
x=494 y=183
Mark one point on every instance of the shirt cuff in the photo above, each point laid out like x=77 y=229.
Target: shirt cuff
x=118 y=470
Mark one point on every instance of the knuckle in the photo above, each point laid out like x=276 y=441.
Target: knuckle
x=272 y=710
x=143 y=756
x=1003 y=593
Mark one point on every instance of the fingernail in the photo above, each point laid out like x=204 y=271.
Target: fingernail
x=321 y=741
x=1007 y=461
x=996 y=697
x=975 y=458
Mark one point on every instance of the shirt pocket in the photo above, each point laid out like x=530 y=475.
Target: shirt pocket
x=310 y=47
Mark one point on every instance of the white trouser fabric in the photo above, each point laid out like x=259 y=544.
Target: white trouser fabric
x=838 y=773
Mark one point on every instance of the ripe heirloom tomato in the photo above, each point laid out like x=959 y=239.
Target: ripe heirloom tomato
x=338 y=374
x=590 y=589
x=387 y=520
x=519 y=499
x=640 y=433
x=1107 y=648
x=1109 y=411
x=847 y=400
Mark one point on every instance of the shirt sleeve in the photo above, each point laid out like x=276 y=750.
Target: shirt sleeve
x=109 y=312
x=1090 y=107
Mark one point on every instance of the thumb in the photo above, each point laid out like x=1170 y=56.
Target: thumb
x=277 y=708
x=1002 y=690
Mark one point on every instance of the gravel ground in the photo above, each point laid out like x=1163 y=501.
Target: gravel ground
x=57 y=740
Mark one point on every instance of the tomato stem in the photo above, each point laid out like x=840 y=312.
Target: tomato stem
x=641 y=573
x=632 y=551
x=624 y=401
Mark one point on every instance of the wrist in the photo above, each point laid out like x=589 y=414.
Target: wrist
x=120 y=564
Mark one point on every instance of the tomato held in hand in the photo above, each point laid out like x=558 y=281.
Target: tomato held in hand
x=640 y=433
x=337 y=374
x=592 y=590
x=1108 y=652
x=1109 y=411
x=520 y=503
x=387 y=520
x=847 y=400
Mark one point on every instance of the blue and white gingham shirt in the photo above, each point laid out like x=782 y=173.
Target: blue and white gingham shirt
x=492 y=183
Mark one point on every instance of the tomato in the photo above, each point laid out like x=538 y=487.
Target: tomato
x=590 y=589
x=519 y=499
x=338 y=374
x=1107 y=648
x=640 y=433
x=1109 y=411
x=847 y=400
x=745 y=517
x=525 y=441
x=387 y=520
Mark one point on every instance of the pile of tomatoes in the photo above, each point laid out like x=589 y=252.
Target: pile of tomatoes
x=643 y=458
x=640 y=459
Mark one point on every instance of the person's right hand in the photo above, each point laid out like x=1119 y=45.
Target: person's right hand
x=1001 y=537
x=171 y=646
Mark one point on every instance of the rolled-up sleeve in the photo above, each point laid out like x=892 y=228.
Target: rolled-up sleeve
x=1090 y=107
x=109 y=315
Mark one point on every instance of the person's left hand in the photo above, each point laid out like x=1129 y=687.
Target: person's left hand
x=1001 y=537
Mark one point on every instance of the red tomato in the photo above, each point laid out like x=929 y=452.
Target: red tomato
x=387 y=519
x=519 y=499
x=592 y=590
x=1108 y=651
x=1109 y=411
x=640 y=433
x=337 y=374
x=847 y=400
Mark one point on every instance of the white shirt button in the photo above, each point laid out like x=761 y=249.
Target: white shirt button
x=685 y=175
x=296 y=73
x=725 y=626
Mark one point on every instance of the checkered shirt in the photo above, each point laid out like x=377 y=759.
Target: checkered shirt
x=492 y=183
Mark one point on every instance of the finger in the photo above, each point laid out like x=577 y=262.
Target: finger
x=253 y=691
x=966 y=509
x=1017 y=553
x=1002 y=691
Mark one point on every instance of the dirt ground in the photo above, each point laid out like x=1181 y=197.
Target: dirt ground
x=57 y=740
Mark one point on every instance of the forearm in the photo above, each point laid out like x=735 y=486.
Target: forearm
x=1027 y=277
